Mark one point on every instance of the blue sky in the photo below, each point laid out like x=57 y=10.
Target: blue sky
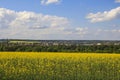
x=60 y=19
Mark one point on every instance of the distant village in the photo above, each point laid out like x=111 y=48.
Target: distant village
x=60 y=42
x=91 y=46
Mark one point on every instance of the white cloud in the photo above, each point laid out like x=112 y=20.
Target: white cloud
x=32 y=25
x=109 y=31
x=104 y=16
x=10 y=18
x=28 y=24
x=81 y=31
x=46 y=2
x=117 y=1
x=6 y=17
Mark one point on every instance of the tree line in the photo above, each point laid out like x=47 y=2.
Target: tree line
x=60 y=48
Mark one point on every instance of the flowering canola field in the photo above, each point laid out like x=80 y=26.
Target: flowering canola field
x=59 y=66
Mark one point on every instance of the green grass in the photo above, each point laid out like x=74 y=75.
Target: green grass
x=59 y=66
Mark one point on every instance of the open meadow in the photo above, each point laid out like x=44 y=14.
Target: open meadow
x=59 y=66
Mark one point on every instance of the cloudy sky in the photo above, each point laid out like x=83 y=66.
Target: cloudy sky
x=60 y=19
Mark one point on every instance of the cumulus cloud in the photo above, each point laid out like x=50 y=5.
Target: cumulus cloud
x=104 y=16
x=117 y=1
x=110 y=31
x=47 y=2
x=10 y=18
x=28 y=24
x=108 y=34
x=6 y=17
x=81 y=31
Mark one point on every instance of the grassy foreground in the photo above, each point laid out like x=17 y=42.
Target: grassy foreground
x=59 y=66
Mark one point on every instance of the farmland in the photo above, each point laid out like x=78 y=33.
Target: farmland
x=59 y=66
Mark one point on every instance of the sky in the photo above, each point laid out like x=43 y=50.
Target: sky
x=60 y=19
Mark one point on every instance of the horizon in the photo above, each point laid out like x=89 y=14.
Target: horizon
x=55 y=40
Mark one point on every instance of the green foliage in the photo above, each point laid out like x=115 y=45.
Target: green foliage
x=59 y=48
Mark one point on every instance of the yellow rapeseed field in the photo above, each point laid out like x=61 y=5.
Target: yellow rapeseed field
x=59 y=66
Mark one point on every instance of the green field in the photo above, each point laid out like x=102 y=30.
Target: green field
x=59 y=66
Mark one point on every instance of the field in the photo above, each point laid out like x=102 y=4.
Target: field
x=59 y=66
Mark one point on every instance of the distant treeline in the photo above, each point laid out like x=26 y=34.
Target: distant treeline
x=59 y=48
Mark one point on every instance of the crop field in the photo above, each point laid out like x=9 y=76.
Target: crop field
x=59 y=66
